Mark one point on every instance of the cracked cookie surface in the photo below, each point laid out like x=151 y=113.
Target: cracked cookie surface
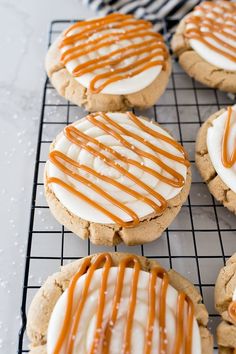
x=224 y=289
x=198 y=68
x=45 y=299
x=73 y=91
x=215 y=184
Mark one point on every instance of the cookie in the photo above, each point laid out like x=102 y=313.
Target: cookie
x=205 y=44
x=225 y=302
x=111 y=63
x=117 y=303
x=215 y=158
x=116 y=177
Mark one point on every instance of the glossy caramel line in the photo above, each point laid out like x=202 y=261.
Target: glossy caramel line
x=94 y=204
x=131 y=309
x=74 y=139
x=232 y=310
x=114 y=16
x=126 y=72
x=228 y=161
x=103 y=331
x=105 y=257
x=89 y=30
x=200 y=36
x=190 y=319
x=75 y=136
x=161 y=274
x=124 y=28
x=101 y=306
x=231 y=8
x=160 y=136
x=117 y=298
x=94 y=28
x=162 y=311
x=180 y=340
x=69 y=307
x=178 y=180
x=105 y=60
x=76 y=52
x=215 y=29
x=82 y=140
x=56 y=156
x=179 y=324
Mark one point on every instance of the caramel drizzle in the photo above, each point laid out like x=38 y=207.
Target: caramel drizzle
x=214 y=28
x=68 y=166
x=228 y=161
x=232 y=310
x=232 y=314
x=152 y=50
x=103 y=331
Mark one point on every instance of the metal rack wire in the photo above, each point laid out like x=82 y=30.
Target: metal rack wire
x=196 y=244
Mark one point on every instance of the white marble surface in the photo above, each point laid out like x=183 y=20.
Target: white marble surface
x=24 y=32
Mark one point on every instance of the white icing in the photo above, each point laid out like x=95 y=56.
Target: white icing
x=83 y=209
x=122 y=87
x=234 y=295
x=86 y=326
x=208 y=54
x=214 y=145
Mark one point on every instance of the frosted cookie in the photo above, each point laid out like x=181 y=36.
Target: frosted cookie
x=116 y=177
x=216 y=156
x=111 y=63
x=118 y=303
x=225 y=301
x=205 y=43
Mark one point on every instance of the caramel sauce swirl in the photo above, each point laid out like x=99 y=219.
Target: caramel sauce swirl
x=216 y=24
x=103 y=331
x=108 y=155
x=228 y=161
x=138 y=42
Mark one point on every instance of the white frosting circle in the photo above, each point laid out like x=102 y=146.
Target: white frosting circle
x=84 y=337
x=124 y=86
x=208 y=54
x=87 y=212
x=215 y=135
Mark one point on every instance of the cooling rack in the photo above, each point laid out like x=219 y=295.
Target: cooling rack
x=196 y=244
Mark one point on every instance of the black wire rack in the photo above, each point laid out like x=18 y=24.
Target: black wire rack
x=196 y=244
